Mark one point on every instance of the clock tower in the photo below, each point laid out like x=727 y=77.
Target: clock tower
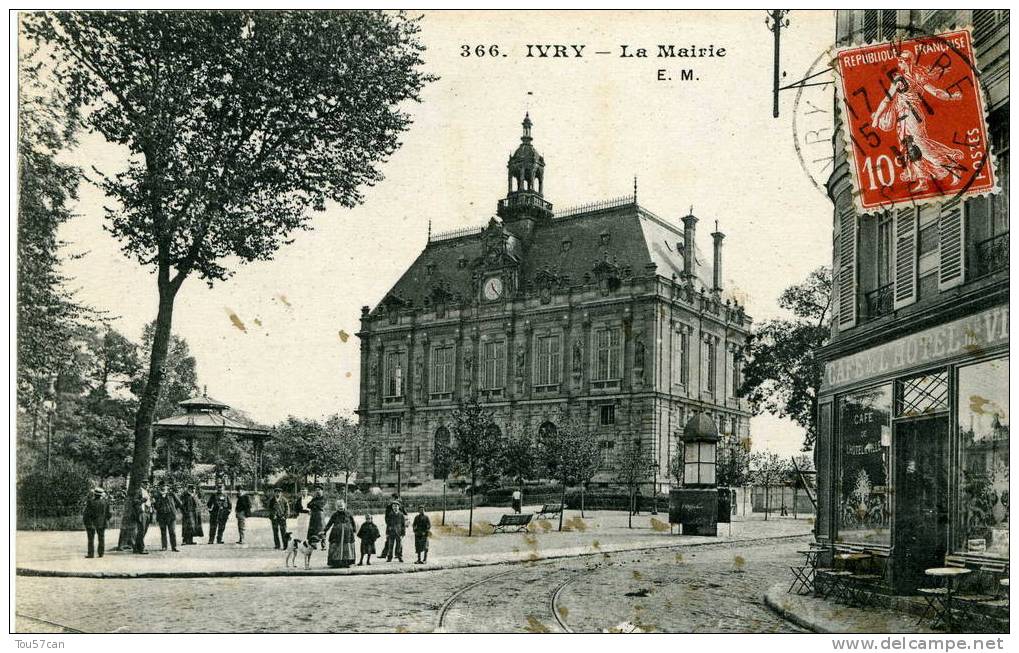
x=525 y=206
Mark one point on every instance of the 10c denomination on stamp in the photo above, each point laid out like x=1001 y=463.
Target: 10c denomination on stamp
x=915 y=127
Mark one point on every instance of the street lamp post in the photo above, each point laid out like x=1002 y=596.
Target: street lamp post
x=654 y=488
x=398 y=455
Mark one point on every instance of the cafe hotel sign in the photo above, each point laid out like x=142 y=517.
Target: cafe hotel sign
x=968 y=336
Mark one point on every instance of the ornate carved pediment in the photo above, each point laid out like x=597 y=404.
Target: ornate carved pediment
x=608 y=275
x=496 y=252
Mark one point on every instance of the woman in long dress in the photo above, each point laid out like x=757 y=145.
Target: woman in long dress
x=341 y=531
x=190 y=517
x=316 y=519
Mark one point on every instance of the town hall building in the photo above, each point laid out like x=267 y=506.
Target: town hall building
x=606 y=311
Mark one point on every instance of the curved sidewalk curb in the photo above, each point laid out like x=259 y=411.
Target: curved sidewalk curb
x=772 y=600
x=301 y=573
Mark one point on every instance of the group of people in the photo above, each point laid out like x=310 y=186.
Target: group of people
x=340 y=531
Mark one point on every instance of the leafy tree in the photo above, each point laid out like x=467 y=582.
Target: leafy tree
x=343 y=448
x=116 y=361
x=782 y=374
x=101 y=444
x=519 y=460
x=48 y=317
x=442 y=464
x=291 y=448
x=733 y=466
x=476 y=447
x=768 y=469
x=236 y=124
x=565 y=452
x=634 y=467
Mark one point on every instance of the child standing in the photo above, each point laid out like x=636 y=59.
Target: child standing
x=368 y=533
x=422 y=529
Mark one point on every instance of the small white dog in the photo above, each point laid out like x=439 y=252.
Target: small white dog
x=305 y=548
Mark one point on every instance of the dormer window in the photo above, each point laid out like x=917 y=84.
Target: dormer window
x=430 y=269
x=461 y=262
x=604 y=237
x=565 y=247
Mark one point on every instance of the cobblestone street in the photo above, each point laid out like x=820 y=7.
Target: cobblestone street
x=713 y=588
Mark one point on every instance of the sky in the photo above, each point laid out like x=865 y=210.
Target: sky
x=709 y=143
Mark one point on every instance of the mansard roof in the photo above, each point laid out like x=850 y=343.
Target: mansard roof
x=619 y=231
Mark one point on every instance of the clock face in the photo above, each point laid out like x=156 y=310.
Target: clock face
x=493 y=288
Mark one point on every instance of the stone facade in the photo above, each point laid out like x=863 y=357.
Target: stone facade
x=593 y=311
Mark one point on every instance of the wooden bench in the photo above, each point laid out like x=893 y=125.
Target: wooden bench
x=549 y=510
x=516 y=523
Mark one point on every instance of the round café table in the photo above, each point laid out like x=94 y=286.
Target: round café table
x=947 y=575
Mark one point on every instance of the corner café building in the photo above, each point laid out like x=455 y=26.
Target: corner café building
x=913 y=446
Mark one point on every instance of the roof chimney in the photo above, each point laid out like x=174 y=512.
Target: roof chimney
x=689 y=248
x=717 y=236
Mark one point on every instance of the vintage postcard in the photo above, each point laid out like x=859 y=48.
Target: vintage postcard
x=522 y=321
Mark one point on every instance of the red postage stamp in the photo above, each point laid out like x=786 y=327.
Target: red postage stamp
x=915 y=127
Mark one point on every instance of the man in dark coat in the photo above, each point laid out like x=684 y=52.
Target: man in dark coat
x=422 y=530
x=190 y=515
x=219 y=510
x=166 y=505
x=279 y=511
x=396 y=528
x=243 y=511
x=96 y=516
x=141 y=504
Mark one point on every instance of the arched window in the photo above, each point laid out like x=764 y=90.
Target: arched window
x=440 y=457
x=547 y=429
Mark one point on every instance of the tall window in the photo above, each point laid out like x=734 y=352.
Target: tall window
x=884 y=250
x=494 y=358
x=605 y=449
x=442 y=369
x=735 y=374
x=608 y=355
x=684 y=358
x=983 y=429
x=395 y=425
x=929 y=251
x=394 y=374
x=708 y=372
x=548 y=368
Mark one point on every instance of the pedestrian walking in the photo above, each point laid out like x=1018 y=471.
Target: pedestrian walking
x=190 y=516
x=422 y=531
x=166 y=506
x=141 y=505
x=517 y=499
x=96 y=516
x=341 y=529
x=396 y=528
x=316 y=508
x=368 y=534
x=219 y=511
x=279 y=511
x=242 y=510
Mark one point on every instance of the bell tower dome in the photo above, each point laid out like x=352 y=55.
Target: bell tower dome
x=525 y=185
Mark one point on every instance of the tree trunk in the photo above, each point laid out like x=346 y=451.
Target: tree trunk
x=630 y=517
x=767 y=502
x=583 y=491
x=562 y=506
x=470 y=515
x=141 y=462
x=346 y=484
x=444 y=501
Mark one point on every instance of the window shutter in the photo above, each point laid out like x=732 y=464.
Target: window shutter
x=847 y=268
x=905 y=257
x=952 y=251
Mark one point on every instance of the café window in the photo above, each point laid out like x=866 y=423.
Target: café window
x=864 y=513
x=983 y=432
